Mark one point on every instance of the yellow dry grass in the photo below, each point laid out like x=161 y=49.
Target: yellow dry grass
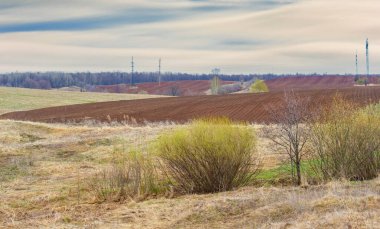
x=15 y=99
x=45 y=170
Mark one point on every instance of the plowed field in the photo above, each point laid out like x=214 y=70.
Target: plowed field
x=180 y=88
x=247 y=107
x=313 y=82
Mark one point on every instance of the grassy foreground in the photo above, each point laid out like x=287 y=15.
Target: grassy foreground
x=16 y=99
x=45 y=169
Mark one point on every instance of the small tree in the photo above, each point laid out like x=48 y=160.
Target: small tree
x=259 y=86
x=215 y=85
x=291 y=132
x=174 y=91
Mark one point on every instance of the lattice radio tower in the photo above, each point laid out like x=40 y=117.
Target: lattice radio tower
x=367 y=56
x=132 y=70
x=159 y=72
x=356 y=63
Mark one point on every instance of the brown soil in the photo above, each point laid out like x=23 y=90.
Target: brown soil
x=242 y=107
x=314 y=82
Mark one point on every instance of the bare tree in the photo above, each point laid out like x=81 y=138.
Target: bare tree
x=290 y=131
x=174 y=91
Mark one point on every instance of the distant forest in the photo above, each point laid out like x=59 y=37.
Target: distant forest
x=48 y=80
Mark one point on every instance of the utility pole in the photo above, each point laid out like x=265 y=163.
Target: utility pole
x=132 y=66
x=367 y=55
x=215 y=82
x=367 y=59
x=356 y=64
x=159 y=72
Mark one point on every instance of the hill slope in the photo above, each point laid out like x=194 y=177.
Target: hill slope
x=310 y=82
x=245 y=107
x=46 y=172
x=179 y=88
x=314 y=82
x=16 y=99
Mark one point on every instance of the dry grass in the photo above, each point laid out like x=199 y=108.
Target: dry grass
x=47 y=167
x=16 y=99
x=42 y=165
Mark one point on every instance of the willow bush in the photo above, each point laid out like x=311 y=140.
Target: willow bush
x=347 y=142
x=210 y=155
x=259 y=86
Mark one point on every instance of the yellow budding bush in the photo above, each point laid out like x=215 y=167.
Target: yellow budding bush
x=259 y=86
x=210 y=155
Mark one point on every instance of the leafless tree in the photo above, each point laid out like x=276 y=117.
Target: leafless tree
x=174 y=91
x=290 y=130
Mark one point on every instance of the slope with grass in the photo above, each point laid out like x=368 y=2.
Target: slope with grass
x=15 y=99
x=45 y=169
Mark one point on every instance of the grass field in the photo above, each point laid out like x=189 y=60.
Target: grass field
x=45 y=171
x=16 y=99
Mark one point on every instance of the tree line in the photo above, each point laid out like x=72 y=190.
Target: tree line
x=48 y=80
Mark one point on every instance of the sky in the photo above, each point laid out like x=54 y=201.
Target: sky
x=193 y=36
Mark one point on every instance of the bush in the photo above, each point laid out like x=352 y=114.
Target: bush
x=211 y=155
x=132 y=176
x=259 y=86
x=347 y=142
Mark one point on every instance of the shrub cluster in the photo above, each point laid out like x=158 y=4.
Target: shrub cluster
x=259 y=86
x=211 y=155
x=347 y=142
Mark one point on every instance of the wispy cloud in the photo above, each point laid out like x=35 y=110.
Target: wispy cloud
x=247 y=36
x=132 y=16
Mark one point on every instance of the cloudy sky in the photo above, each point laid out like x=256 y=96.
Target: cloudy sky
x=237 y=36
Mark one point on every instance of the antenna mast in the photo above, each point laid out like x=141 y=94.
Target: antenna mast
x=356 y=62
x=159 y=72
x=367 y=56
x=132 y=66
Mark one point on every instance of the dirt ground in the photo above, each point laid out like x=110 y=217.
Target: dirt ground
x=314 y=82
x=241 y=107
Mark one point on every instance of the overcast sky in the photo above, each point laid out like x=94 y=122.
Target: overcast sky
x=247 y=36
